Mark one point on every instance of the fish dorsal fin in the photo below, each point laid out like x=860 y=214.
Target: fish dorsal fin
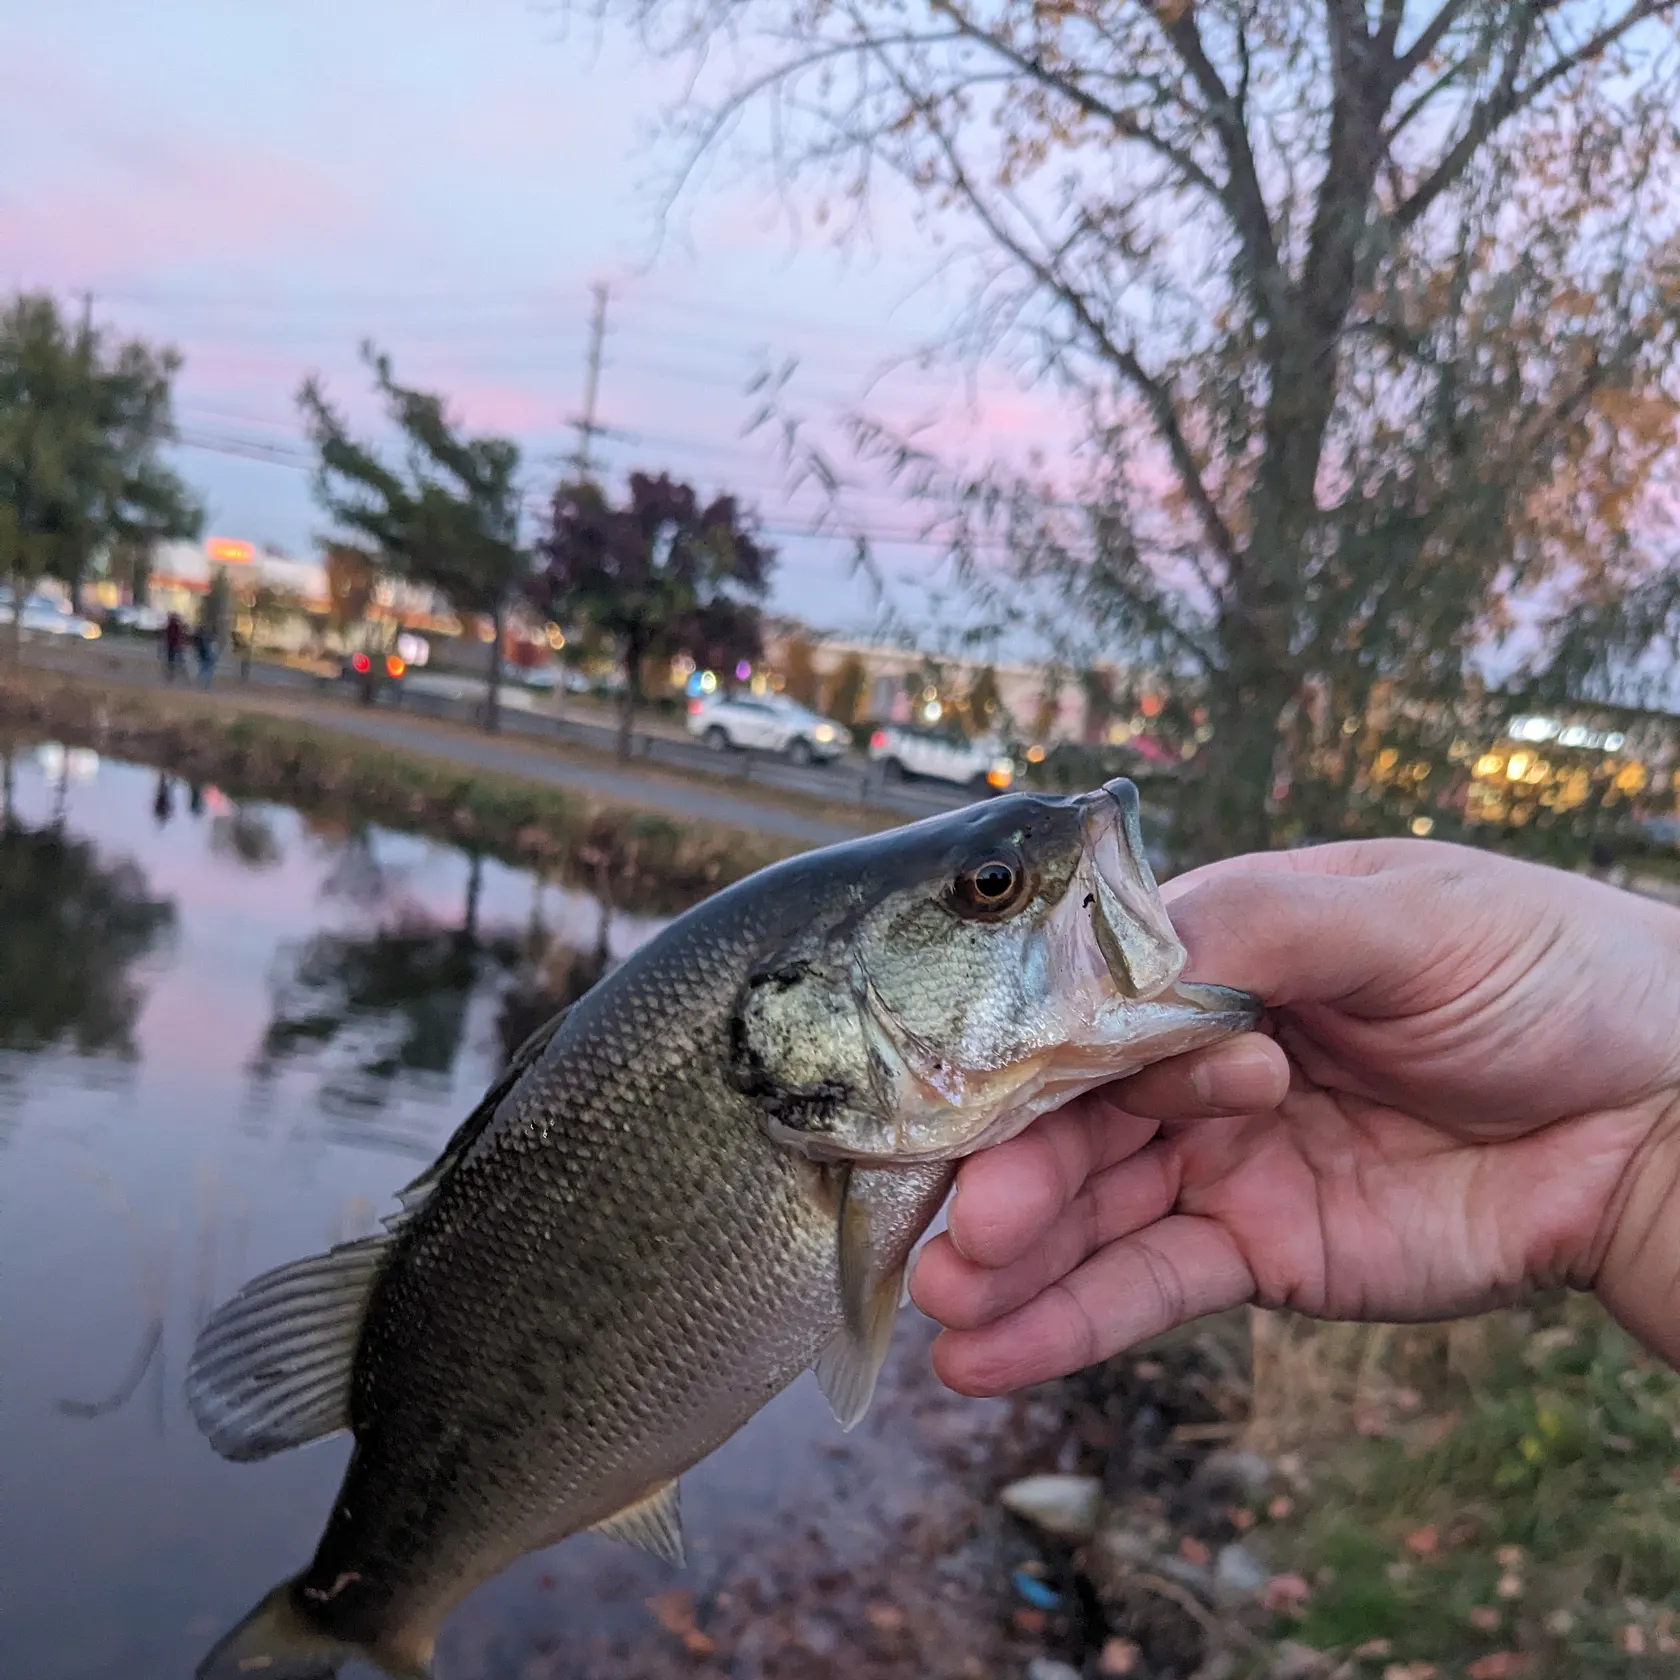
x=414 y=1196
x=850 y=1364
x=272 y=1367
x=654 y=1523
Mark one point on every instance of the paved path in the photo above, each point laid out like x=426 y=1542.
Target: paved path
x=538 y=764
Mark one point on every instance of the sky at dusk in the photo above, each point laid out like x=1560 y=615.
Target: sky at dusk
x=263 y=184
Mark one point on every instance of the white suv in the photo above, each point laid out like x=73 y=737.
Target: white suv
x=945 y=755
x=772 y=723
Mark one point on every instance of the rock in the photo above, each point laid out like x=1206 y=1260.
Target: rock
x=1245 y=1470
x=1238 y=1571
x=1051 y=1668
x=1062 y=1506
x=1295 y=1661
x=1119 y=1657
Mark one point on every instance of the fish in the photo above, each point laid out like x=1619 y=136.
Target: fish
x=701 y=1179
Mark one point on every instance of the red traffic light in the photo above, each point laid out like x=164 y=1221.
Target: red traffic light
x=360 y=664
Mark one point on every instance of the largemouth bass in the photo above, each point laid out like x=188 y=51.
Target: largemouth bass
x=703 y=1178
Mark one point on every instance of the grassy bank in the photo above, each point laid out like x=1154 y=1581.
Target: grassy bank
x=1288 y=1500
x=640 y=859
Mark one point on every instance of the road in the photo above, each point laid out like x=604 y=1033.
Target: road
x=670 y=774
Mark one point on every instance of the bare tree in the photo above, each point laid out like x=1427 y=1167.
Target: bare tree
x=1371 y=310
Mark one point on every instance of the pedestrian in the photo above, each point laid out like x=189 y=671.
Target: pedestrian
x=204 y=644
x=1473 y=1091
x=174 y=646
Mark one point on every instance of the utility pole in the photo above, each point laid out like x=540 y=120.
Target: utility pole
x=587 y=429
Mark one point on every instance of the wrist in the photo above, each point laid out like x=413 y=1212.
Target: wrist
x=1638 y=1279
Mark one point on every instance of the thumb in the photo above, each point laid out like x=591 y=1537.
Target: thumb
x=1374 y=945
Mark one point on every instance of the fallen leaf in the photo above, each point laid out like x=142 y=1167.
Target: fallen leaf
x=1287 y=1595
x=1192 y=1550
x=1119 y=1656
x=674 y=1611
x=1242 y=1519
x=1632 y=1640
x=1498 y=1665
x=1510 y=1557
x=1425 y=1540
x=1411 y=1671
x=1485 y=1619
x=1374 y=1649
x=885 y=1618
x=1280 y=1507
x=1029 y=1620
x=1369 y=1421
x=1510 y=1586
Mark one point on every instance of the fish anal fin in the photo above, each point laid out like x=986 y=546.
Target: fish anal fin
x=271 y=1368
x=653 y=1522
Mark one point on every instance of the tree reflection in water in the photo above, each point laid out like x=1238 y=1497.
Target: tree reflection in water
x=389 y=1008
x=72 y=929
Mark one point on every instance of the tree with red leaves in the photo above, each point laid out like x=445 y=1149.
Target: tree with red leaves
x=659 y=574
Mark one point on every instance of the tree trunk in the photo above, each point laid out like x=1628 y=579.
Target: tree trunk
x=493 y=679
x=627 y=714
x=634 y=653
x=1225 y=807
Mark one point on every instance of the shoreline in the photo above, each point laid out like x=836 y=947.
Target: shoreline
x=639 y=859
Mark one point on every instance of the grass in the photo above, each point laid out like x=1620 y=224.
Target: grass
x=1491 y=1499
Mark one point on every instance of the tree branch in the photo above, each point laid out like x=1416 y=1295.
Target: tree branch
x=1429 y=38
x=1507 y=99
x=1244 y=202
x=1122 y=121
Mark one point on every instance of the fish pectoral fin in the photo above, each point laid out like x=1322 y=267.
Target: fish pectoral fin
x=271 y=1369
x=848 y=1367
x=654 y=1523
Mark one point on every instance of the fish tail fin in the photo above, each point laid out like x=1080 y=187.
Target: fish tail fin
x=277 y=1641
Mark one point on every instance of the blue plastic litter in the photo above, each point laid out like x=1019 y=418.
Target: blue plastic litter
x=1035 y=1592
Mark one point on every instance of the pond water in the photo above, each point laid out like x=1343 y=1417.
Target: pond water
x=227 y=1035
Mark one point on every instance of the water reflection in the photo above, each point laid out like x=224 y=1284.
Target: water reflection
x=378 y=1007
x=75 y=928
x=373 y=981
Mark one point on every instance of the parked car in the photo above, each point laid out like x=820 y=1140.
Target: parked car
x=943 y=755
x=771 y=723
x=145 y=621
x=43 y=616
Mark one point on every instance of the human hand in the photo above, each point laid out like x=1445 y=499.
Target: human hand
x=1474 y=1090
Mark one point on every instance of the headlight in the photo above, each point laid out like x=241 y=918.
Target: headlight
x=90 y=632
x=1001 y=775
x=824 y=732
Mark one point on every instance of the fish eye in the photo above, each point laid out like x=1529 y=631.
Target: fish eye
x=992 y=887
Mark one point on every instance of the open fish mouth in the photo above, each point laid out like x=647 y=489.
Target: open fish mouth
x=1110 y=963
